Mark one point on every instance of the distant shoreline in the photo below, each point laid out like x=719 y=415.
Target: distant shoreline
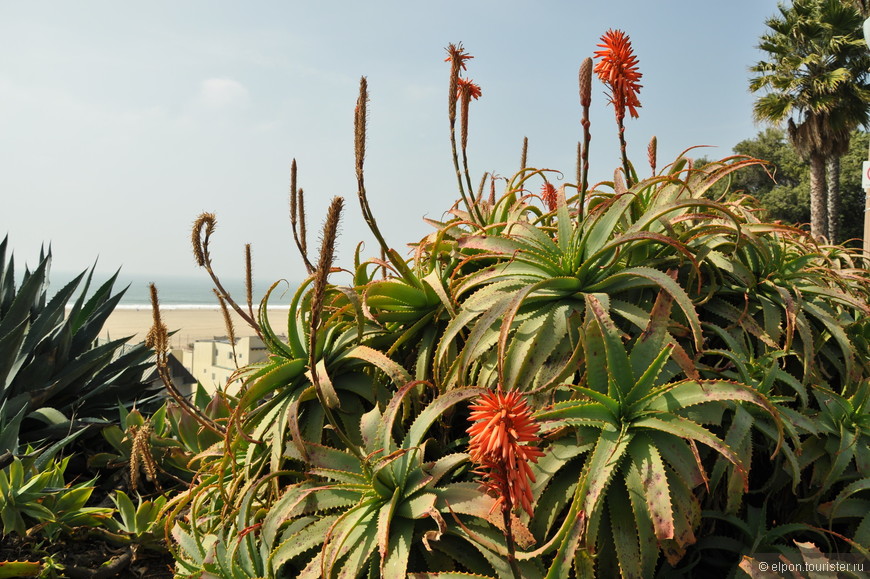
x=190 y=323
x=193 y=307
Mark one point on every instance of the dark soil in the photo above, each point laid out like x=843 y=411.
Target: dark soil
x=88 y=557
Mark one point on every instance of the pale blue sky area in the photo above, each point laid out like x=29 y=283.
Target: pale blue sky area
x=120 y=122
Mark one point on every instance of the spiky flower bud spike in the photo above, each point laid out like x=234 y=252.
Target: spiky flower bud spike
x=297 y=215
x=207 y=223
x=249 y=279
x=293 y=195
x=651 y=154
x=321 y=274
x=360 y=117
x=585 y=103
x=303 y=234
x=586 y=82
x=158 y=340
x=524 y=156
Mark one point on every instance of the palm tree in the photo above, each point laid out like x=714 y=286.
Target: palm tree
x=816 y=82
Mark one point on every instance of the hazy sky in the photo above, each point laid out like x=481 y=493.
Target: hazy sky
x=120 y=122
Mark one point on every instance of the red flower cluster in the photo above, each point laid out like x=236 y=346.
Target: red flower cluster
x=548 y=194
x=618 y=70
x=457 y=56
x=502 y=423
x=466 y=89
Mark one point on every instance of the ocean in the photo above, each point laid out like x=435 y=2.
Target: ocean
x=176 y=292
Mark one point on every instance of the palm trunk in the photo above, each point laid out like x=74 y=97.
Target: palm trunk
x=818 y=203
x=835 y=212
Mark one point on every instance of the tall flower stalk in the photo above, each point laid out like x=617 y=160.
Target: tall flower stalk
x=617 y=69
x=583 y=149
x=461 y=91
x=501 y=446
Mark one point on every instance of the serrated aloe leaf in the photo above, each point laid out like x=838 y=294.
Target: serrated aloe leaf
x=603 y=463
x=581 y=412
x=849 y=490
x=691 y=392
x=842 y=457
x=551 y=500
x=624 y=530
x=355 y=537
x=398 y=549
x=339 y=475
x=385 y=428
x=298 y=543
x=11 y=359
x=445 y=464
x=325 y=383
x=384 y=524
x=534 y=341
x=327 y=457
x=369 y=424
x=597 y=376
x=397 y=374
x=832 y=325
x=294 y=348
x=484 y=334
x=679 y=456
x=395 y=291
x=637 y=495
x=437 y=285
x=664 y=281
x=477 y=304
x=125 y=509
x=604 y=224
x=465 y=498
x=647 y=379
x=434 y=410
x=280 y=375
x=650 y=343
x=448 y=575
x=738 y=438
x=649 y=465
x=20 y=568
x=416 y=507
x=685 y=428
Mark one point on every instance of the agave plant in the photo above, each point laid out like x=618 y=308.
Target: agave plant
x=50 y=365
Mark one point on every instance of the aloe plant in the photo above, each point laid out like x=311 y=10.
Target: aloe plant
x=686 y=360
x=643 y=465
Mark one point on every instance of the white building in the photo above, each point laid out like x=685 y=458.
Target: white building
x=213 y=363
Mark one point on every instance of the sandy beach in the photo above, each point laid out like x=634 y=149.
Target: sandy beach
x=191 y=324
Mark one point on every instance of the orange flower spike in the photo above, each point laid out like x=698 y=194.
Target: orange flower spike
x=467 y=88
x=457 y=56
x=618 y=70
x=502 y=421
